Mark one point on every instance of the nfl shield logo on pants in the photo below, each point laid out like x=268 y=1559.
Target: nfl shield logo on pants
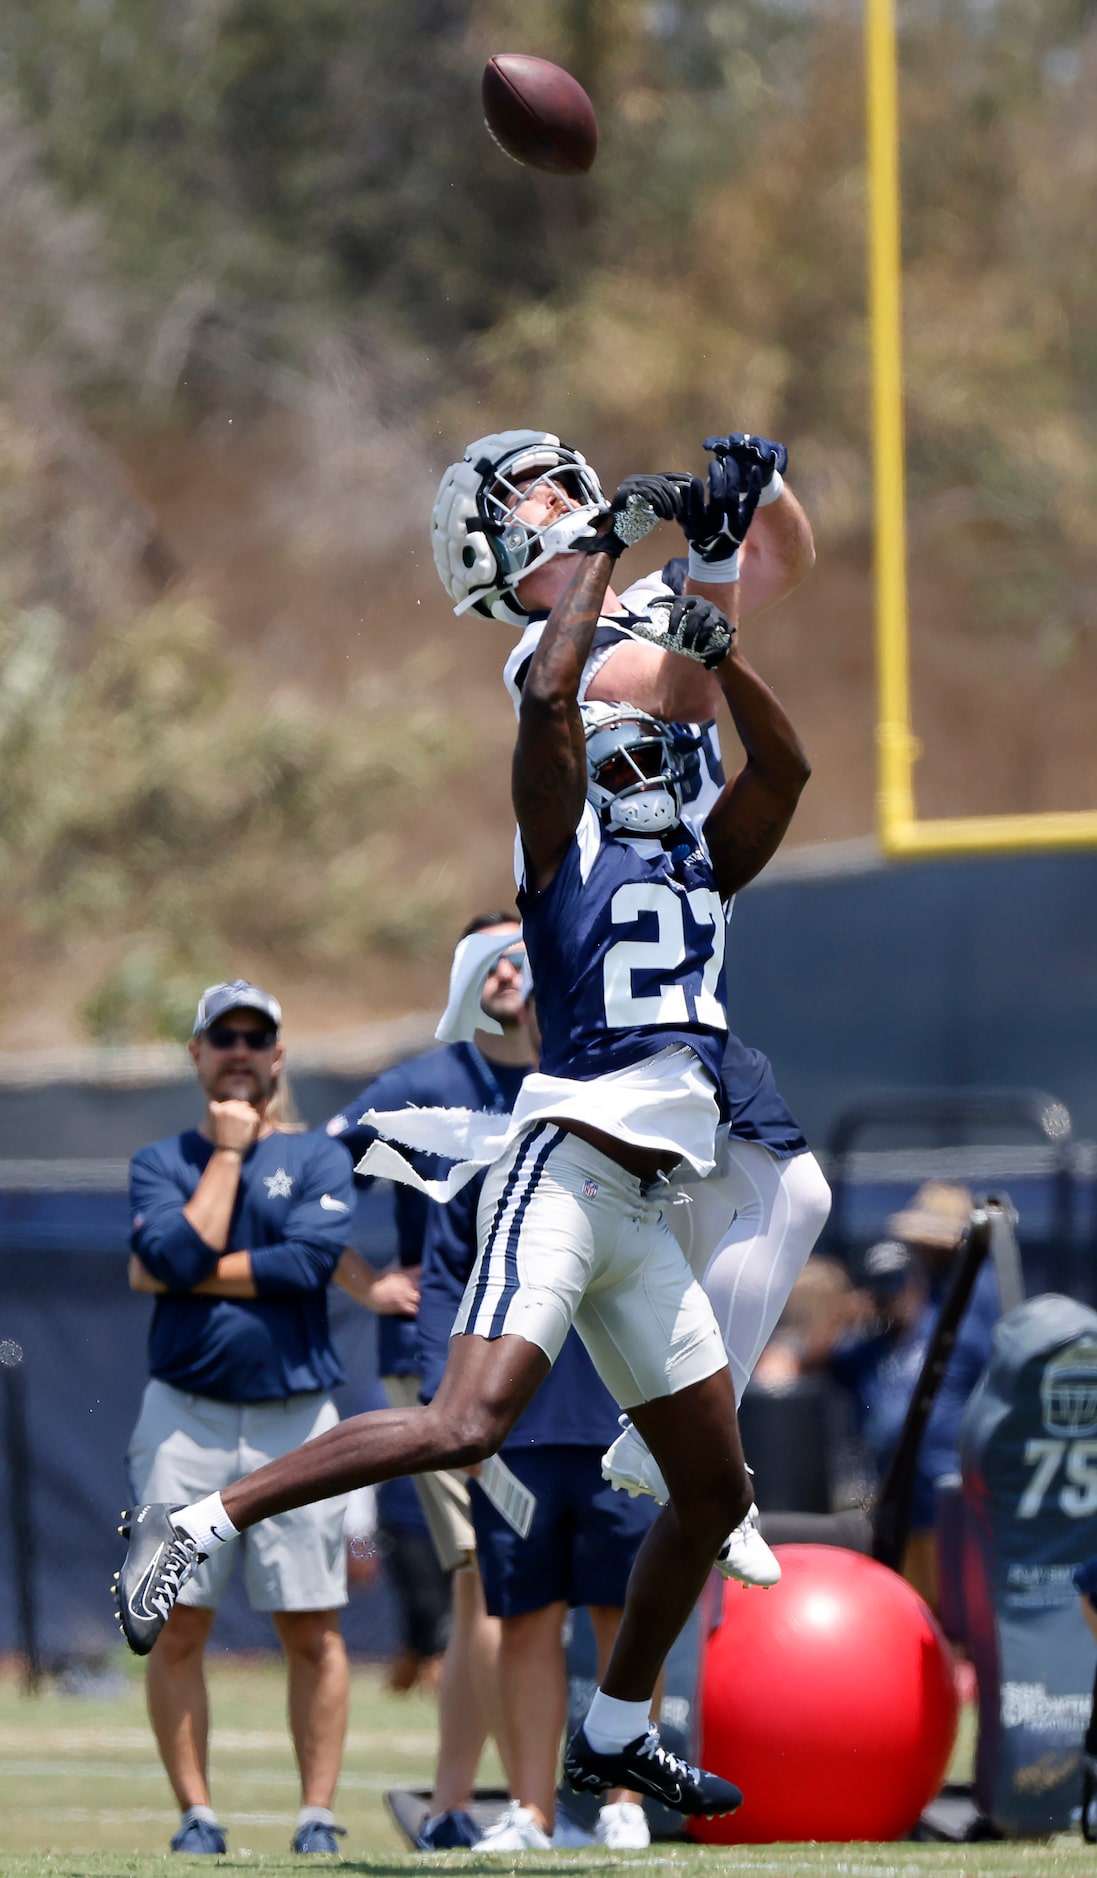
x=590 y=1188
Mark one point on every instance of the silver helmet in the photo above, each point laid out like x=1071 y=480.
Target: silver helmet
x=634 y=773
x=480 y=550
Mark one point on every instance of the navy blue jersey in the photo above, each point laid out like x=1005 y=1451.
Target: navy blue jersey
x=572 y=1408
x=626 y=946
x=293 y=1209
x=456 y=1077
x=752 y=1104
x=755 y=1108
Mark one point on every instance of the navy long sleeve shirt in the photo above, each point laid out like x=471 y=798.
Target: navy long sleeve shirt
x=293 y=1211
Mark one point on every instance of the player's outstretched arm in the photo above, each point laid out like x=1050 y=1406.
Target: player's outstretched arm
x=750 y=817
x=779 y=550
x=677 y=690
x=549 y=772
x=777 y=554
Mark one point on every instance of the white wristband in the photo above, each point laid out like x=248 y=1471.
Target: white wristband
x=772 y=490
x=713 y=573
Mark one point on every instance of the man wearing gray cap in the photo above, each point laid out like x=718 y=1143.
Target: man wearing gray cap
x=238 y=1225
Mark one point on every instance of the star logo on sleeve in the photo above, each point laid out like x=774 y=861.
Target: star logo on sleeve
x=279 y=1185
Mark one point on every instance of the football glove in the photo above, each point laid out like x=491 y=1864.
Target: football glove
x=761 y=453
x=639 y=504
x=693 y=626
x=716 y=520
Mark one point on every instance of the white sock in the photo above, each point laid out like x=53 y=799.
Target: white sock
x=323 y=1816
x=206 y=1522
x=201 y=1812
x=610 y=1724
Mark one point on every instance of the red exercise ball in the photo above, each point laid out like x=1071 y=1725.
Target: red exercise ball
x=830 y=1701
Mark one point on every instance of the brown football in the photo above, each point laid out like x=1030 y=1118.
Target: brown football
x=539 y=114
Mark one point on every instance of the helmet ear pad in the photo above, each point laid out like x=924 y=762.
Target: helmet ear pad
x=463 y=553
x=477 y=567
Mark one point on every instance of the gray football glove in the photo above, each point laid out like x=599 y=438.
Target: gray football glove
x=689 y=625
x=639 y=504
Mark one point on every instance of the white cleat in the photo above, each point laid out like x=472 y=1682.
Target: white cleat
x=630 y=1466
x=746 y=1557
x=623 y=1826
x=515 y=1830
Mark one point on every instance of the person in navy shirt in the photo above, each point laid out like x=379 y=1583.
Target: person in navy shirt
x=880 y=1368
x=484 y=1073
x=238 y=1226
x=570 y=1222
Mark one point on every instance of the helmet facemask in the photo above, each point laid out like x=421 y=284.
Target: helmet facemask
x=634 y=777
x=482 y=551
x=520 y=545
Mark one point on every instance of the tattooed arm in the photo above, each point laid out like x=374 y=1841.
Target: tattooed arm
x=549 y=774
x=749 y=819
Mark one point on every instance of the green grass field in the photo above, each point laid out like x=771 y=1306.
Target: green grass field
x=82 y=1793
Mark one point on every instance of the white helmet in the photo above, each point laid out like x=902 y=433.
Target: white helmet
x=642 y=795
x=480 y=550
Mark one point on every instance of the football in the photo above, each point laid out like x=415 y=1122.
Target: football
x=539 y=114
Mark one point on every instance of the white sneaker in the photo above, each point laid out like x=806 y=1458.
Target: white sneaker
x=630 y=1465
x=746 y=1557
x=515 y=1830
x=623 y=1825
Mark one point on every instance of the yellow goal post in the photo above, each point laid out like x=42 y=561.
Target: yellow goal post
x=900 y=831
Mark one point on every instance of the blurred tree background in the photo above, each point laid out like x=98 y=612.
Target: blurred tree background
x=263 y=274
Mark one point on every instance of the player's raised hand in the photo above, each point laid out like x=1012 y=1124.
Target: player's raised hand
x=716 y=517
x=639 y=504
x=689 y=625
x=770 y=459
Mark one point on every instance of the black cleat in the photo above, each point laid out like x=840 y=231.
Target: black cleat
x=645 y=1766
x=157 y=1566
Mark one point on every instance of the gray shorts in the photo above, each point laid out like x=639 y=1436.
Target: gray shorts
x=444 y=1496
x=186 y=1446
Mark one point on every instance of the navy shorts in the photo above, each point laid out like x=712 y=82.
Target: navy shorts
x=581 y=1546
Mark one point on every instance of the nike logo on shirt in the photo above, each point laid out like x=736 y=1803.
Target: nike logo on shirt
x=331 y=1205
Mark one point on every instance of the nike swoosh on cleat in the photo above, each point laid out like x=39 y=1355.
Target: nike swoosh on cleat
x=136 y=1603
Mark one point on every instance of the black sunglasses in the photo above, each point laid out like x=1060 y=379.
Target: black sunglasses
x=226 y=1037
